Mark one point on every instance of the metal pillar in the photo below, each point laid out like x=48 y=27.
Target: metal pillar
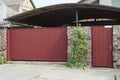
x=77 y=19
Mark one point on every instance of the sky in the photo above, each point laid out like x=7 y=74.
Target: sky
x=43 y=3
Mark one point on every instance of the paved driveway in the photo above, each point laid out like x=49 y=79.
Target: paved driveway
x=54 y=72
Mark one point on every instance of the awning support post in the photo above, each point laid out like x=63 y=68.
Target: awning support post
x=77 y=19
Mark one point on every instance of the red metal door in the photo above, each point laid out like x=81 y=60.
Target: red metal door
x=46 y=44
x=102 y=47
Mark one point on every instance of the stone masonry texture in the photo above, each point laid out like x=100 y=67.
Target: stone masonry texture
x=3 y=41
x=116 y=46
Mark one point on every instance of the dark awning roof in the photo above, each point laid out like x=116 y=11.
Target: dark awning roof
x=65 y=14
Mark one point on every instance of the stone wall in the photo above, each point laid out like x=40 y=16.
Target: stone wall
x=3 y=41
x=116 y=46
x=87 y=30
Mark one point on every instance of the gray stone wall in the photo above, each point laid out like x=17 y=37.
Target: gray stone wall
x=3 y=41
x=116 y=45
x=69 y=32
x=87 y=30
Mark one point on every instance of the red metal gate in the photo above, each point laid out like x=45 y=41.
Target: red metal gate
x=102 y=47
x=46 y=44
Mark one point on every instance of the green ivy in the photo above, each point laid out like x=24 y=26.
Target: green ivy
x=78 y=51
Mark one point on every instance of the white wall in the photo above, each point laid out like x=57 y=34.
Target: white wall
x=88 y=1
x=116 y=3
x=106 y=2
x=10 y=12
x=43 y=3
x=2 y=12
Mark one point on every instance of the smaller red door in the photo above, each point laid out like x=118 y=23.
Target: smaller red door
x=102 y=47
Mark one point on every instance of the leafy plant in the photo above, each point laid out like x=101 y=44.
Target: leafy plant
x=2 y=59
x=78 y=51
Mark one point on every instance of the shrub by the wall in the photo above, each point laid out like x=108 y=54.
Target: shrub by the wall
x=78 y=50
x=2 y=59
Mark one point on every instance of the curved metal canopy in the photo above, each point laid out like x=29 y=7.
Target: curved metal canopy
x=65 y=14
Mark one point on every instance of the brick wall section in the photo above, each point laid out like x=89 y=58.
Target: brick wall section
x=2 y=41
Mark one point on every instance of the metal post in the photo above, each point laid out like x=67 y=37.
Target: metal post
x=77 y=19
x=115 y=77
x=95 y=19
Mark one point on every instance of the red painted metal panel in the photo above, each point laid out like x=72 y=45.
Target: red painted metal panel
x=47 y=44
x=101 y=46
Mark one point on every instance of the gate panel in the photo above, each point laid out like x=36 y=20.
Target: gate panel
x=47 y=44
x=102 y=47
